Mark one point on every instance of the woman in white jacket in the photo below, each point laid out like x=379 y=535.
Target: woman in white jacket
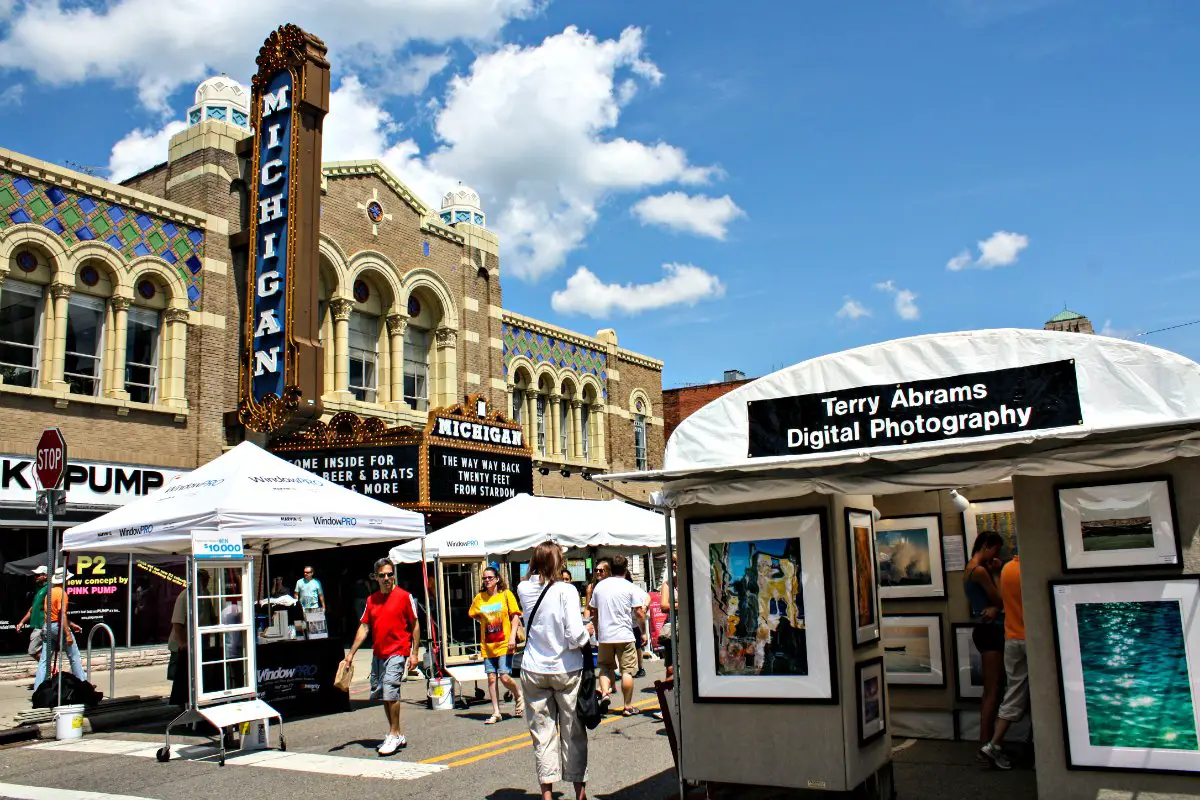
x=551 y=669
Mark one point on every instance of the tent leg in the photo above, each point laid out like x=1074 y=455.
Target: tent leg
x=428 y=612
x=667 y=514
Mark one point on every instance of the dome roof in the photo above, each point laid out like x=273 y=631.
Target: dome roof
x=223 y=89
x=1066 y=315
x=462 y=195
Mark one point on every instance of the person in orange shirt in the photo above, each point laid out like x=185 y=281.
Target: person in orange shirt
x=56 y=609
x=1016 y=664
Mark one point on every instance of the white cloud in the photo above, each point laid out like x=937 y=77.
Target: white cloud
x=1108 y=329
x=682 y=284
x=697 y=213
x=852 y=309
x=140 y=150
x=526 y=127
x=1001 y=249
x=415 y=73
x=355 y=126
x=904 y=300
x=13 y=95
x=157 y=46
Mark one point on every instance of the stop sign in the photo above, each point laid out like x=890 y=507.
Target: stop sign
x=51 y=458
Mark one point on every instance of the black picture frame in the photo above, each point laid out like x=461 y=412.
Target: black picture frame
x=941 y=560
x=827 y=572
x=1062 y=535
x=941 y=648
x=859 y=669
x=1059 y=665
x=852 y=564
x=955 y=627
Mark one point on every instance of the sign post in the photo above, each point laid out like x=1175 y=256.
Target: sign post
x=50 y=468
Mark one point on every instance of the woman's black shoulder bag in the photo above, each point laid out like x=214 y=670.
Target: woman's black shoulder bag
x=587 y=703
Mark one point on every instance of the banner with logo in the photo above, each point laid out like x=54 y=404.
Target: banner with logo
x=98 y=593
x=88 y=483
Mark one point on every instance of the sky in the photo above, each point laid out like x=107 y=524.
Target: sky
x=726 y=190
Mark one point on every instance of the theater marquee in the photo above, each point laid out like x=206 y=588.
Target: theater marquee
x=282 y=366
x=467 y=458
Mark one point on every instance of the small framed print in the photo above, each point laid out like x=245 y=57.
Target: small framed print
x=872 y=700
x=1118 y=525
x=992 y=515
x=909 y=554
x=968 y=663
x=864 y=594
x=912 y=650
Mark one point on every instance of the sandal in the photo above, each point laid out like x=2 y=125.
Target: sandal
x=519 y=706
x=628 y=712
x=492 y=720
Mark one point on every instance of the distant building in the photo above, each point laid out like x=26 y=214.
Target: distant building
x=1069 y=322
x=681 y=403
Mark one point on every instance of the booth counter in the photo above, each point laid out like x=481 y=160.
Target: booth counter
x=296 y=676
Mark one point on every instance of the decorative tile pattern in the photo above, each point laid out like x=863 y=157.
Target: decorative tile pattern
x=540 y=348
x=79 y=218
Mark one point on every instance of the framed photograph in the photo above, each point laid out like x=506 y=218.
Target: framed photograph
x=992 y=515
x=912 y=650
x=872 y=703
x=1118 y=525
x=968 y=663
x=909 y=554
x=1130 y=694
x=864 y=596
x=761 y=609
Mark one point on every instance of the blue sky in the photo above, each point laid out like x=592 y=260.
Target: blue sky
x=809 y=174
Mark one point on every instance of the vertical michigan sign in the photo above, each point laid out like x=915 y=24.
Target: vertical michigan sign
x=281 y=370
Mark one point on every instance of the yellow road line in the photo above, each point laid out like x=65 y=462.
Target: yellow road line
x=527 y=743
x=465 y=750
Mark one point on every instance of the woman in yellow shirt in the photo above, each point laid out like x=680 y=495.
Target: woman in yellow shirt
x=496 y=610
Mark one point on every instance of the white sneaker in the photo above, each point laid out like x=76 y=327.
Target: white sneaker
x=392 y=744
x=387 y=740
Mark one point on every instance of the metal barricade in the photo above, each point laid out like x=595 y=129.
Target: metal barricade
x=112 y=657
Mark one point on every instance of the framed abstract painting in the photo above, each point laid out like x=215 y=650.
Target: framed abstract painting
x=761 y=609
x=872 y=700
x=968 y=663
x=992 y=515
x=864 y=595
x=1130 y=694
x=1118 y=525
x=908 y=550
x=912 y=650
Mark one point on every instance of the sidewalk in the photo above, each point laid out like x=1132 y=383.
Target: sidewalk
x=148 y=683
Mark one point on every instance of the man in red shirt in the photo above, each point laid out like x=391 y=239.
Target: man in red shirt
x=390 y=620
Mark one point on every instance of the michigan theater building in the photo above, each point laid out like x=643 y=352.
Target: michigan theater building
x=243 y=288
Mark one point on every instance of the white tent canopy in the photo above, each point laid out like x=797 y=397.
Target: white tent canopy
x=523 y=522
x=1139 y=405
x=248 y=491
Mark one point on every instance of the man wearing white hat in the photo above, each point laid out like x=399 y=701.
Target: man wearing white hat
x=36 y=616
x=56 y=609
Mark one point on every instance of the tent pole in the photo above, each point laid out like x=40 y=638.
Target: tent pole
x=671 y=586
x=428 y=612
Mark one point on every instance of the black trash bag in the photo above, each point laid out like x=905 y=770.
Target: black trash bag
x=74 y=692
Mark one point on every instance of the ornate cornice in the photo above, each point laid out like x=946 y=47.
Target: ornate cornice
x=397 y=324
x=346 y=429
x=176 y=315
x=348 y=169
x=120 y=303
x=60 y=291
x=288 y=47
x=340 y=307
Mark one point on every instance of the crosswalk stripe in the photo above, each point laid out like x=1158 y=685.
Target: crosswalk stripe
x=13 y=791
x=342 y=766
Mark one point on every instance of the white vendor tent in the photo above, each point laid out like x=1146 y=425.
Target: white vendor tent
x=249 y=491
x=523 y=522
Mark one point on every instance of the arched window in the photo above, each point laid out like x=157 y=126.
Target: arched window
x=585 y=418
x=364 y=355
x=640 y=410
x=82 y=369
x=21 y=307
x=142 y=339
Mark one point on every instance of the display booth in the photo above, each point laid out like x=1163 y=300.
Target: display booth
x=224 y=517
x=788 y=659
x=509 y=531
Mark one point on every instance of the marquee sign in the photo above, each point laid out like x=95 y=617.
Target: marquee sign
x=1002 y=401
x=467 y=458
x=281 y=371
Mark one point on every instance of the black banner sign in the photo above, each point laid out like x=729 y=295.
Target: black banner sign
x=297 y=676
x=389 y=474
x=962 y=406
x=98 y=592
x=475 y=478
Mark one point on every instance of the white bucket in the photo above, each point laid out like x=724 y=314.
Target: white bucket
x=256 y=735
x=68 y=722
x=441 y=694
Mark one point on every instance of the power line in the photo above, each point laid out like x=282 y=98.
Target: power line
x=1169 y=328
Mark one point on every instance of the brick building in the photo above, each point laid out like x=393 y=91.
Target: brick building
x=121 y=320
x=681 y=403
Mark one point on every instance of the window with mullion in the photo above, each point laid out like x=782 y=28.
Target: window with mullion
x=639 y=440
x=416 y=368
x=541 y=424
x=564 y=426
x=20 y=332
x=518 y=401
x=85 y=332
x=141 y=355
x=585 y=420
x=364 y=355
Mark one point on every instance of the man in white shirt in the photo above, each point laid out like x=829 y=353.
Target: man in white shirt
x=618 y=606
